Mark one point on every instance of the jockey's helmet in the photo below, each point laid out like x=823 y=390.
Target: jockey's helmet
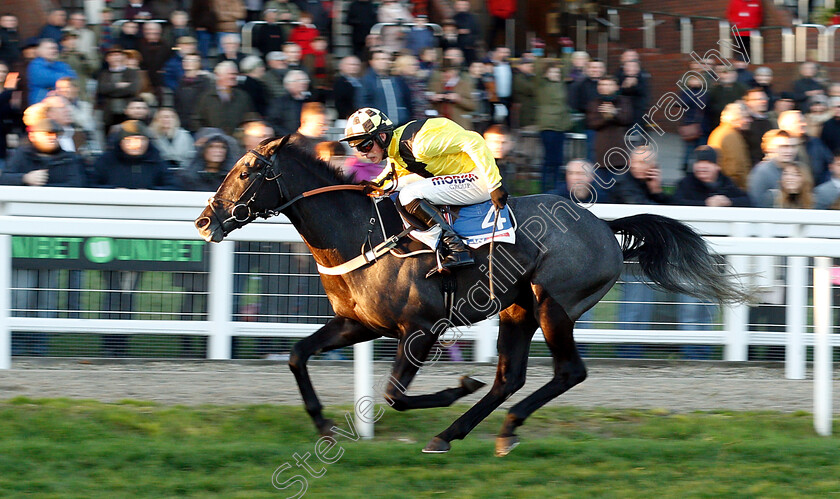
x=367 y=123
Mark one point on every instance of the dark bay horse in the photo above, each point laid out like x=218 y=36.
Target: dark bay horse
x=564 y=261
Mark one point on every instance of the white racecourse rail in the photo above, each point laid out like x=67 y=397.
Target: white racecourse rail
x=739 y=233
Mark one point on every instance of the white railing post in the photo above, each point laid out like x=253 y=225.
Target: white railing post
x=649 y=31
x=801 y=33
x=220 y=300
x=363 y=387
x=756 y=47
x=725 y=37
x=615 y=27
x=735 y=317
x=581 y=35
x=797 y=300
x=803 y=11
x=686 y=35
x=486 y=333
x=788 y=45
x=822 y=346
x=5 y=301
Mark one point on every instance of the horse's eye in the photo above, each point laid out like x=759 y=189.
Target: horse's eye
x=244 y=175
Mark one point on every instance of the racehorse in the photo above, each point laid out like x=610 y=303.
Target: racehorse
x=564 y=261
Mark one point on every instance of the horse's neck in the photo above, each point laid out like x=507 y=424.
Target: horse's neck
x=333 y=225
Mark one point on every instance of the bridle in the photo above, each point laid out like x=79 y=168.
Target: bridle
x=242 y=212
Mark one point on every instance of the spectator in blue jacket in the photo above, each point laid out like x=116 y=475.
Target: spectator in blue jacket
x=56 y=21
x=45 y=70
x=380 y=90
x=420 y=36
x=173 y=70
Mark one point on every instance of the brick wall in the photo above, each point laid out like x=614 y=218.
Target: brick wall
x=32 y=14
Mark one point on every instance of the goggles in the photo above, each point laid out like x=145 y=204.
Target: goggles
x=364 y=146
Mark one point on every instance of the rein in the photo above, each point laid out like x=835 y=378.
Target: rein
x=313 y=192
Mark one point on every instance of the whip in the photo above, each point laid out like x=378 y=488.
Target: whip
x=490 y=256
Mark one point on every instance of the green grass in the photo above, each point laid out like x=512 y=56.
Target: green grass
x=72 y=448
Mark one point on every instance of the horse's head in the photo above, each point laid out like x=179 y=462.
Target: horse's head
x=249 y=190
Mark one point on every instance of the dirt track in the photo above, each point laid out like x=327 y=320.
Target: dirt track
x=676 y=387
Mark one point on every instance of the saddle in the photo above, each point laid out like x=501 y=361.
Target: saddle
x=473 y=223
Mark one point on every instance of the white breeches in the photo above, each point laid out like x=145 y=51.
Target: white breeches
x=460 y=189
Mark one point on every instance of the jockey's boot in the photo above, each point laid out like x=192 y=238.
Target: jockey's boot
x=457 y=254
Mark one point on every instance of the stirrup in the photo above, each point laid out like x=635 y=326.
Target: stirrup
x=443 y=270
x=438 y=268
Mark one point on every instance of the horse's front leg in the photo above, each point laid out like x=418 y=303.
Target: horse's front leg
x=413 y=350
x=338 y=332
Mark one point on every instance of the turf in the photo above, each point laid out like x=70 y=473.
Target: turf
x=71 y=448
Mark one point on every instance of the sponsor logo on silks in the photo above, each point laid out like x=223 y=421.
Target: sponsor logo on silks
x=454 y=179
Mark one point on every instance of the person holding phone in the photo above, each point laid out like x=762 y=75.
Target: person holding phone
x=10 y=106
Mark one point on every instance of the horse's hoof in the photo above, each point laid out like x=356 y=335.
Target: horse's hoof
x=325 y=428
x=506 y=444
x=471 y=384
x=437 y=446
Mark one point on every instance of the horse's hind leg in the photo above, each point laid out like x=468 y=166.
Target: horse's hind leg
x=569 y=370
x=411 y=353
x=516 y=328
x=338 y=332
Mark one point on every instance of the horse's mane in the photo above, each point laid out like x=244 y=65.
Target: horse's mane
x=274 y=144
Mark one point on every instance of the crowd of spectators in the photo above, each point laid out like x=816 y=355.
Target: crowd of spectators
x=178 y=74
x=168 y=99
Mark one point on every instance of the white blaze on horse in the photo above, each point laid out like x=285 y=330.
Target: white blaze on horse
x=568 y=260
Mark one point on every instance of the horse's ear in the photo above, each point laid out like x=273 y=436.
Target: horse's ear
x=274 y=144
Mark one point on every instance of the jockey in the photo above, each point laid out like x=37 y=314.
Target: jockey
x=431 y=162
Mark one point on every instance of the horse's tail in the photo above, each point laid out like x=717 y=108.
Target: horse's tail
x=677 y=259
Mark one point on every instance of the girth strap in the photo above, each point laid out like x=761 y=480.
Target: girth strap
x=365 y=258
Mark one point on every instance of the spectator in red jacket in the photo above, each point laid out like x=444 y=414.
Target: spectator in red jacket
x=746 y=15
x=500 y=11
x=304 y=33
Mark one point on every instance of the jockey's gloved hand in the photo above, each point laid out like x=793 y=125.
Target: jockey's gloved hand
x=499 y=197
x=370 y=187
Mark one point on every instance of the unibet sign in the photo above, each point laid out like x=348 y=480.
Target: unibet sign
x=106 y=253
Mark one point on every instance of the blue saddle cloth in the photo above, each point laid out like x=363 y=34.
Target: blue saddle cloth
x=474 y=223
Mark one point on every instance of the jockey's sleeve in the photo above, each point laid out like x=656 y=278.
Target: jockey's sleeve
x=450 y=140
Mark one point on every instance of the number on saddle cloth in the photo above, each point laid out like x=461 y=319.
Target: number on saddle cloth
x=475 y=224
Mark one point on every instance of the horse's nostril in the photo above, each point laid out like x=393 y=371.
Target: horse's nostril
x=202 y=222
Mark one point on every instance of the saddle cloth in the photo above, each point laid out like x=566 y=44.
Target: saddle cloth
x=473 y=223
